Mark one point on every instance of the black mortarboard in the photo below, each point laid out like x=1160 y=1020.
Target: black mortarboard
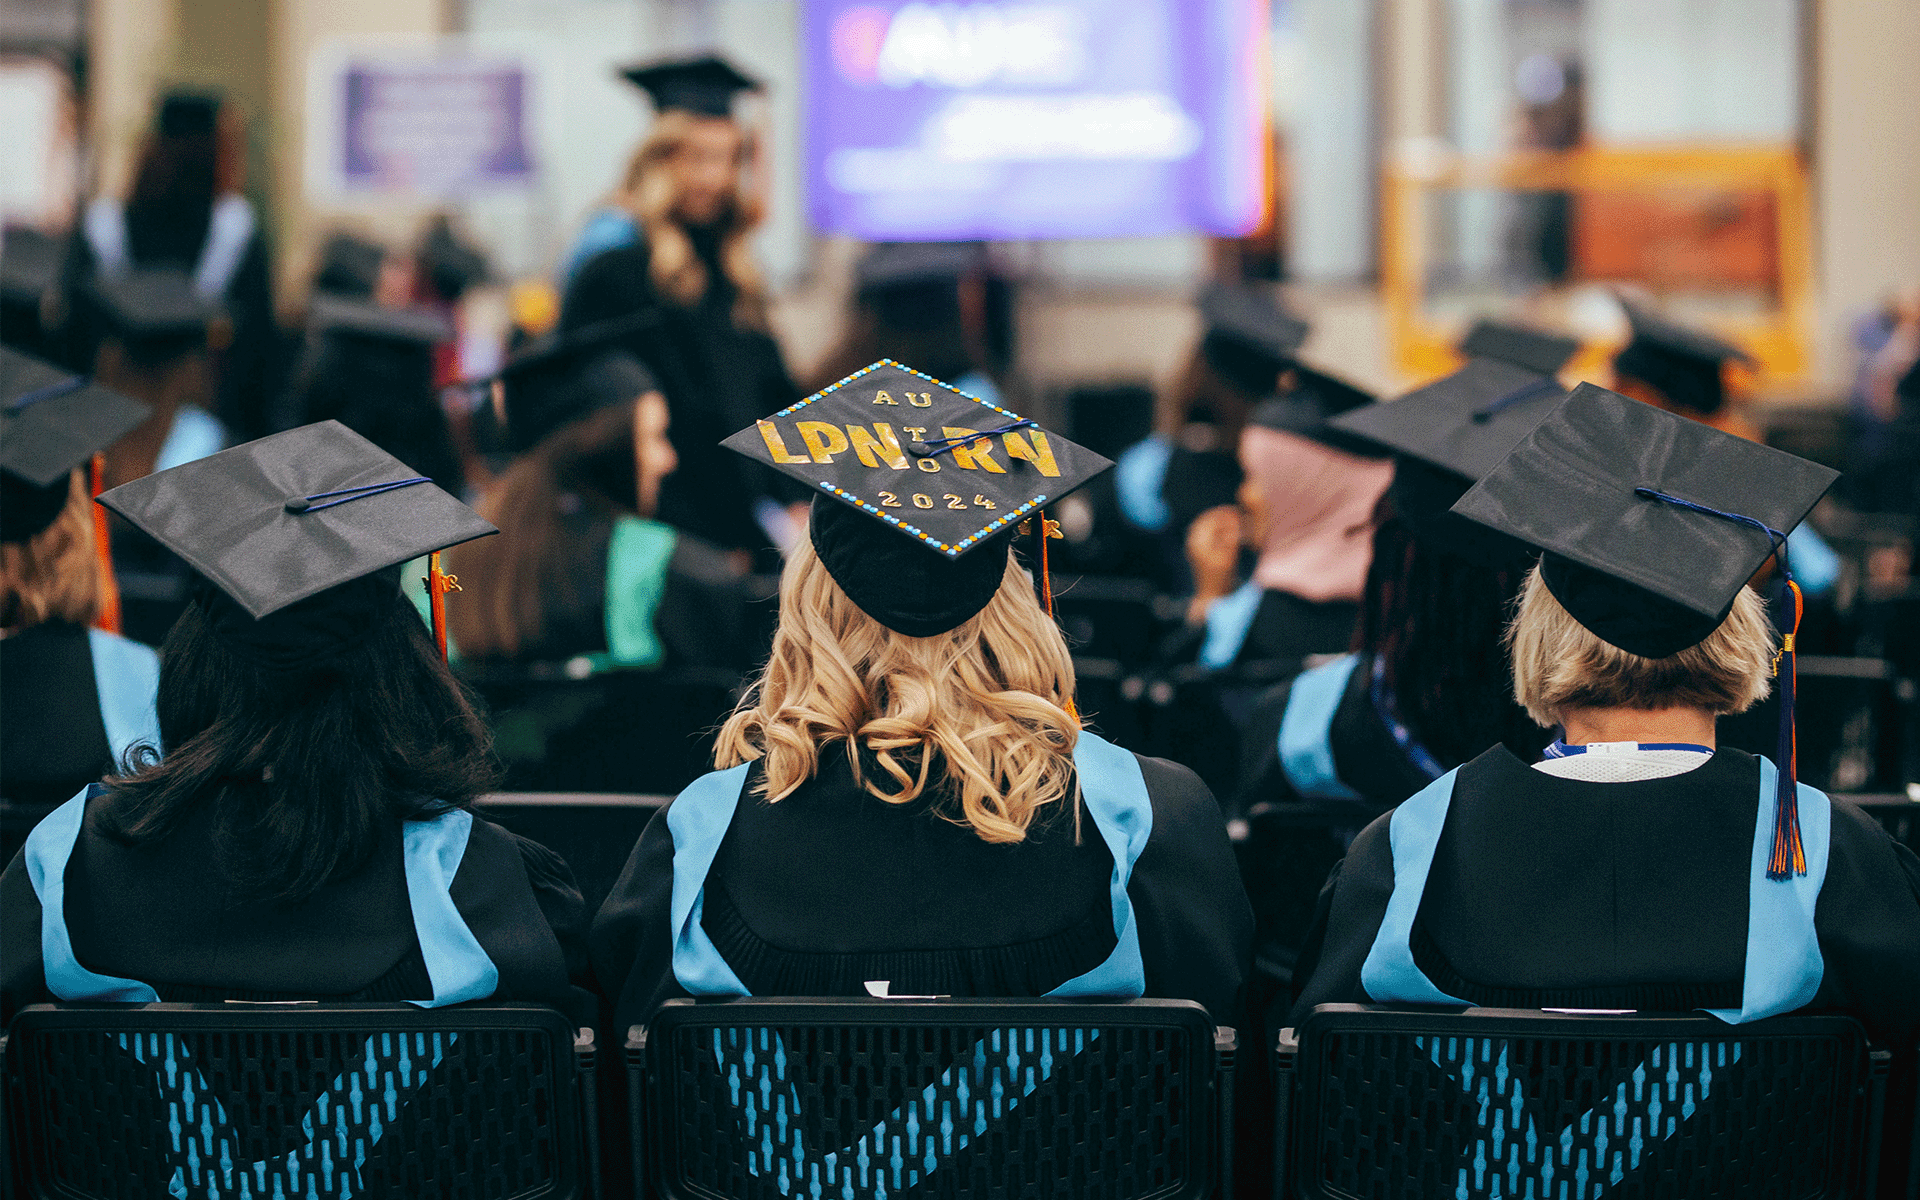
x=1307 y=408
x=918 y=489
x=1682 y=364
x=563 y=377
x=1521 y=345
x=705 y=85
x=337 y=317
x=349 y=267
x=1449 y=434
x=1646 y=574
x=900 y=264
x=1249 y=337
x=187 y=114
x=157 y=315
x=29 y=264
x=50 y=423
x=296 y=535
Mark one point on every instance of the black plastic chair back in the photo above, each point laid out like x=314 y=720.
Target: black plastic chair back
x=341 y=1101
x=1390 y=1103
x=936 y=1098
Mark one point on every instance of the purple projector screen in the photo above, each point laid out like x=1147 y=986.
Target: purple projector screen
x=1051 y=119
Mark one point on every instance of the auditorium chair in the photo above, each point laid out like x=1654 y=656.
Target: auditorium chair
x=984 y=1099
x=1389 y=1103
x=331 y=1101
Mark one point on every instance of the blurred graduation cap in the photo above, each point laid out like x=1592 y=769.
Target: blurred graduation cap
x=906 y=264
x=402 y=327
x=1308 y=405
x=705 y=84
x=1449 y=434
x=1249 y=337
x=918 y=489
x=1681 y=363
x=50 y=422
x=297 y=536
x=29 y=264
x=563 y=377
x=1520 y=345
x=156 y=314
x=349 y=266
x=187 y=114
x=1651 y=524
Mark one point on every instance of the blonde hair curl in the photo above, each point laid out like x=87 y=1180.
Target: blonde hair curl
x=988 y=699
x=647 y=191
x=54 y=575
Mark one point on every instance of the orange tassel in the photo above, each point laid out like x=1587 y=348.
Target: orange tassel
x=109 y=618
x=439 y=583
x=1048 y=531
x=1789 y=856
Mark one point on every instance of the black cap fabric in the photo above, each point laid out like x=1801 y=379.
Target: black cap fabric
x=278 y=520
x=918 y=489
x=333 y=316
x=157 y=315
x=349 y=267
x=563 y=377
x=29 y=264
x=50 y=423
x=1682 y=364
x=1307 y=408
x=187 y=114
x=1643 y=573
x=705 y=85
x=903 y=264
x=1520 y=345
x=1465 y=422
x=1249 y=338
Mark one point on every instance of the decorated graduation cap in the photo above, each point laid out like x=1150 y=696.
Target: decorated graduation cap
x=297 y=537
x=156 y=314
x=919 y=489
x=187 y=114
x=704 y=85
x=563 y=377
x=1681 y=363
x=1249 y=337
x=1651 y=524
x=1311 y=399
x=1446 y=436
x=50 y=423
x=1520 y=345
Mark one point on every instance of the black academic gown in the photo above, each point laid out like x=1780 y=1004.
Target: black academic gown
x=53 y=734
x=831 y=887
x=157 y=914
x=718 y=378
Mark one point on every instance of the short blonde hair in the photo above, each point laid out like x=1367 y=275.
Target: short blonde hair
x=1558 y=664
x=987 y=700
x=54 y=575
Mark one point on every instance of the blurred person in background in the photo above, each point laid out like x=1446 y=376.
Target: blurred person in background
x=185 y=212
x=919 y=302
x=581 y=568
x=692 y=269
x=76 y=699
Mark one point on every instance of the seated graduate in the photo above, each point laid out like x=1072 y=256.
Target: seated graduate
x=581 y=567
x=76 y=699
x=907 y=800
x=309 y=833
x=1636 y=866
x=930 y=303
x=1306 y=507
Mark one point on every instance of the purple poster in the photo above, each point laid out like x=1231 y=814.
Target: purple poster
x=1058 y=118
x=443 y=128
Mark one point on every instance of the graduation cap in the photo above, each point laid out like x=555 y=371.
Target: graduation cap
x=563 y=377
x=1682 y=364
x=1449 y=434
x=1249 y=337
x=906 y=264
x=29 y=264
x=50 y=422
x=349 y=267
x=704 y=85
x=187 y=114
x=338 y=317
x=1308 y=405
x=1651 y=524
x=296 y=536
x=156 y=314
x=918 y=487
x=1520 y=345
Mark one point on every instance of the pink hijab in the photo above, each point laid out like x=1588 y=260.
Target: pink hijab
x=1319 y=504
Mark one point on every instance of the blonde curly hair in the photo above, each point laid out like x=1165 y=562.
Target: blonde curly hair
x=987 y=700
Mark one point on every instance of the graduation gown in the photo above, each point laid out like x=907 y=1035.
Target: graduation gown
x=449 y=909
x=1544 y=892
x=76 y=701
x=830 y=888
x=717 y=376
